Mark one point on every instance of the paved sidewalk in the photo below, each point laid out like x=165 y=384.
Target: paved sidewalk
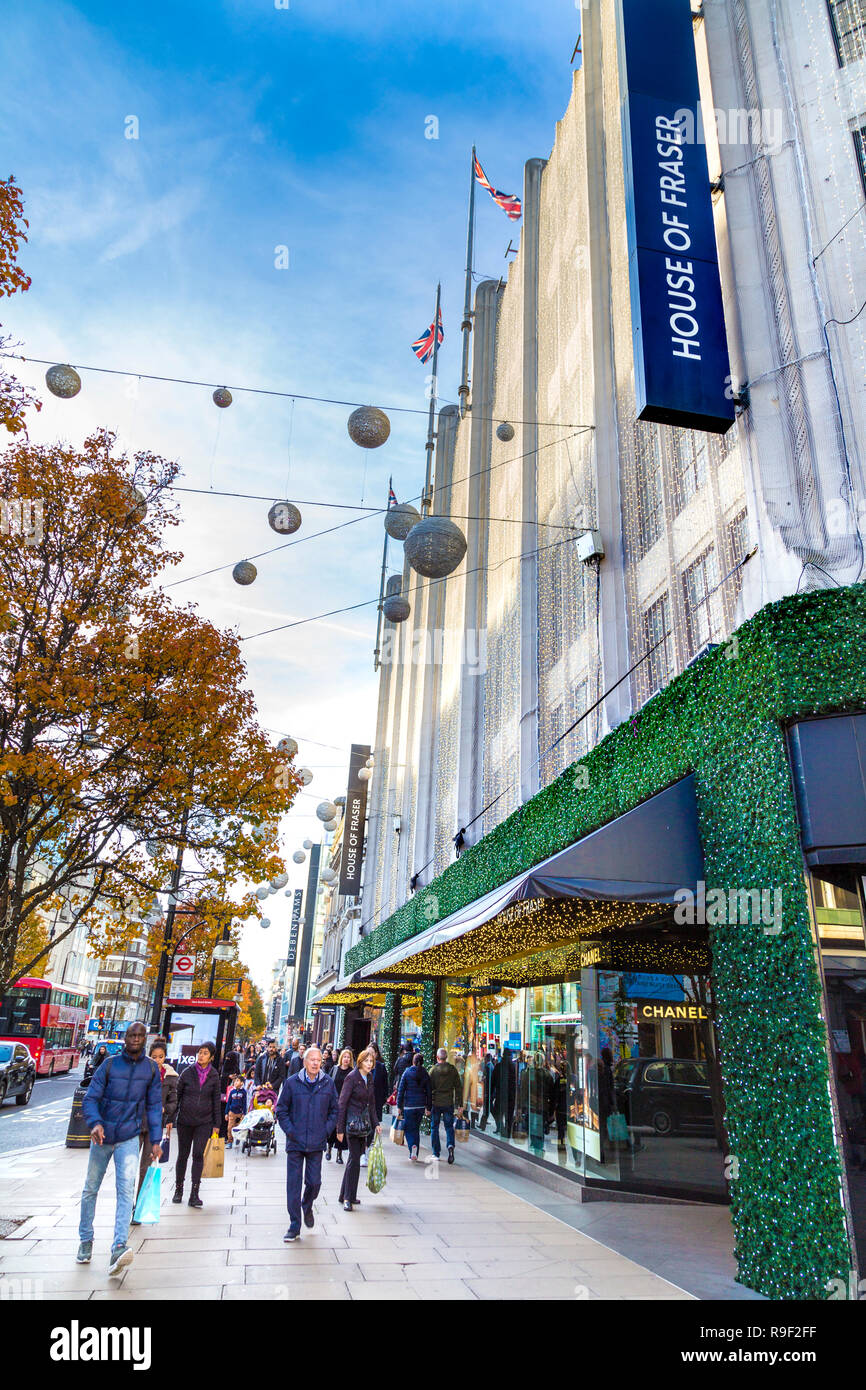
x=434 y=1232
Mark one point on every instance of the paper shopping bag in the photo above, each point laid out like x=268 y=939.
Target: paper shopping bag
x=214 y=1158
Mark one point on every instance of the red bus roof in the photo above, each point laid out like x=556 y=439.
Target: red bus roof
x=33 y=982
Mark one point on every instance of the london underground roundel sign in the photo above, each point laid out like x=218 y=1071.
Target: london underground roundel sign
x=183 y=965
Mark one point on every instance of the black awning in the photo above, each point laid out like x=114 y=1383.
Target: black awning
x=828 y=758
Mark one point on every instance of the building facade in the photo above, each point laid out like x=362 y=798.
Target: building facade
x=617 y=830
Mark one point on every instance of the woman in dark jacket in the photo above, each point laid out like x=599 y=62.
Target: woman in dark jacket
x=96 y=1060
x=199 y=1113
x=414 y=1098
x=357 y=1111
x=344 y=1065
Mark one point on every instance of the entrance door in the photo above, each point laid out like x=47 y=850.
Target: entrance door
x=359 y=1034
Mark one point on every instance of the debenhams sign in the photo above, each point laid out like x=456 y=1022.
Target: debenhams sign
x=682 y=373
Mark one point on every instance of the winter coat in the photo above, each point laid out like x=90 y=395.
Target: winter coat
x=380 y=1085
x=307 y=1112
x=229 y=1069
x=170 y=1081
x=402 y=1062
x=414 y=1092
x=445 y=1085
x=504 y=1084
x=295 y=1065
x=124 y=1095
x=357 y=1101
x=196 y=1104
x=270 y=1069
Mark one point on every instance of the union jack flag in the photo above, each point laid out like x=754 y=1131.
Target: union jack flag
x=423 y=346
x=509 y=203
x=392 y=497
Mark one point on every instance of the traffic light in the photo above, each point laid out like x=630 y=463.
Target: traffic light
x=101 y=1021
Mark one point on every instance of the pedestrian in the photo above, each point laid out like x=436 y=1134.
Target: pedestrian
x=414 y=1099
x=100 y=1056
x=446 y=1091
x=125 y=1089
x=404 y=1060
x=345 y=1063
x=380 y=1086
x=357 y=1120
x=270 y=1068
x=504 y=1094
x=328 y=1059
x=169 y=1078
x=229 y=1069
x=198 y=1118
x=306 y=1112
x=236 y=1107
x=297 y=1060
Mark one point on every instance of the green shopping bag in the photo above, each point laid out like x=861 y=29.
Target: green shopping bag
x=377 y=1169
x=147 y=1206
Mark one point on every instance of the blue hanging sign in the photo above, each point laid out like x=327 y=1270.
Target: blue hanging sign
x=682 y=372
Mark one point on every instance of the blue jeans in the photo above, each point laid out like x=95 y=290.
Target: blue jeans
x=446 y=1113
x=296 y=1162
x=125 y=1157
x=412 y=1127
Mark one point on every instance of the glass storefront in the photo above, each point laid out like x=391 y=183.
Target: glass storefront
x=838 y=922
x=612 y=1075
x=410 y=1020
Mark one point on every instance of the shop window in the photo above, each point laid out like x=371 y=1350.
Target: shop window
x=859 y=135
x=848 y=22
x=657 y=630
x=690 y=466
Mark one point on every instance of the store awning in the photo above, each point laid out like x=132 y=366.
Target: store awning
x=644 y=856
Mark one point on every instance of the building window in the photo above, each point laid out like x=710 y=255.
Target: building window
x=690 y=466
x=649 y=496
x=859 y=134
x=699 y=582
x=848 y=21
x=657 y=634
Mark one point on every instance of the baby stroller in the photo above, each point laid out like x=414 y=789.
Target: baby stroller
x=259 y=1131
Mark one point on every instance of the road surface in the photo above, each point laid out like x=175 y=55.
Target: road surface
x=45 y=1119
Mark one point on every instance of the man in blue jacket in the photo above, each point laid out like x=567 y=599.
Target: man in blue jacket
x=307 y=1114
x=124 y=1089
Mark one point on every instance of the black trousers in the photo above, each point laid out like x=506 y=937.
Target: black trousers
x=193 y=1137
x=349 y=1185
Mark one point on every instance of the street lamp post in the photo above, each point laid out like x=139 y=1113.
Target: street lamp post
x=159 y=990
x=223 y=950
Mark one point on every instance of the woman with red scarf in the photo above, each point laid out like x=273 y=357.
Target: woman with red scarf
x=198 y=1116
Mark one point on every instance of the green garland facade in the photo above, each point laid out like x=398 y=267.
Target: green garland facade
x=723 y=719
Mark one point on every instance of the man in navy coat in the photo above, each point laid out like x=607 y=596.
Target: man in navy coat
x=307 y=1114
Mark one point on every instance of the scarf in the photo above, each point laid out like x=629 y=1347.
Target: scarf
x=202 y=1073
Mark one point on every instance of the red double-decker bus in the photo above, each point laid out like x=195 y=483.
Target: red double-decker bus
x=49 y=1019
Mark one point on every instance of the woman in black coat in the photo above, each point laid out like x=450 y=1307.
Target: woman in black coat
x=199 y=1113
x=343 y=1066
x=357 y=1109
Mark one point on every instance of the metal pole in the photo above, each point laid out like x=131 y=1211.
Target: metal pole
x=213 y=965
x=382 y=584
x=427 y=496
x=159 y=990
x=466 y=325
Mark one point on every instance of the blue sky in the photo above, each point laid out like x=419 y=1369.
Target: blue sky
x=262 y=127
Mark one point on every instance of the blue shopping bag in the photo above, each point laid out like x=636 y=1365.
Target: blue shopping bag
x=166 y=1148
x=147 y=1206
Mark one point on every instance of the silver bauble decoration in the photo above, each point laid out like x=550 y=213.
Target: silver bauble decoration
x=435 y=547
x=299 y=857
x=222 y=397
x=505 y=432
x=328 y=876
x=399 y=520
x=153 y=848
x=339 y=801
x=368 y=426
x=63 y=381
x=326 y=810
x=370 y=761
x=284 y=518
x=364 y=774
x=244 y=572
x=306 y=776
x=395 y=607
x=137 y=504
x=279 y=881
x=308 y=844
x=262 y=892
x=288 y=893
x=287 y=746
x=266 y=921
x=331 y=824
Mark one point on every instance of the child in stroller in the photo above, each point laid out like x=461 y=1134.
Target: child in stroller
x=258 y=1126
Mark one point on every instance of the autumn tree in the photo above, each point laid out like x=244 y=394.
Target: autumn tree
x=128 y=737
x=14 y=398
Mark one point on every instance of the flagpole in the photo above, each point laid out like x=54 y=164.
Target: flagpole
x=427 y=495
x=466 y=325
x=382 y=583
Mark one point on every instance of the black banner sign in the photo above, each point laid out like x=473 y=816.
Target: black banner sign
x=352 y=854
x=295 y=927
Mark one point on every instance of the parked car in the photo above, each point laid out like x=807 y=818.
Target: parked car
x=669 y=1094
x=17 y=1072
